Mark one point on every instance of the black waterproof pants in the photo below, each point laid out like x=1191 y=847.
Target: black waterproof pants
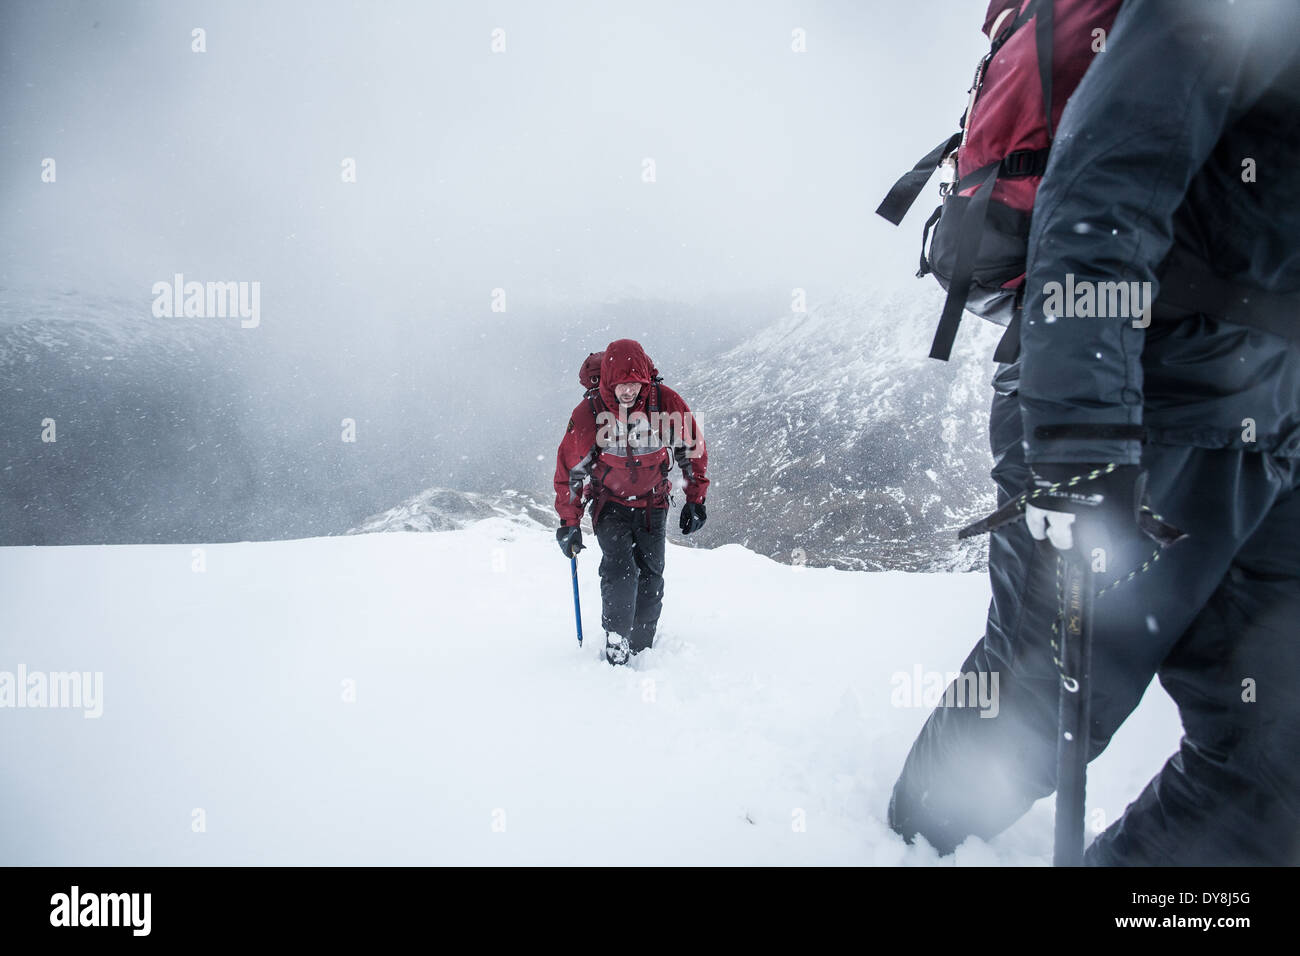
x=1217 y=618
x=632 y=544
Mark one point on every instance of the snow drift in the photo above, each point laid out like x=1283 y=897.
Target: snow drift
x=421 y=699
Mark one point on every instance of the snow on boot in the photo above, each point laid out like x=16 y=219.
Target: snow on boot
x=616 y=648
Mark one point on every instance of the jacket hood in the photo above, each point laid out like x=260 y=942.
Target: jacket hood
x=625 y=361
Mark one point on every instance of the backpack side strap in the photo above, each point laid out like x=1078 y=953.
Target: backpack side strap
x=971 y=228
x=904 y=192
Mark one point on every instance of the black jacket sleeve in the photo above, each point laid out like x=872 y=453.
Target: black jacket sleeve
x=1174 y=76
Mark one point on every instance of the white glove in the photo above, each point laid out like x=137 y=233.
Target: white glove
x=1052 y=525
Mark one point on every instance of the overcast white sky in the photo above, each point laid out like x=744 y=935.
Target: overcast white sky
x=475 y=170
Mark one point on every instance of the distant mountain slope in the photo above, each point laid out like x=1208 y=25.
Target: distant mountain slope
x=445 y=509
x=833 y=434
x=834 y=439
x=194 y=429
x=149 y=424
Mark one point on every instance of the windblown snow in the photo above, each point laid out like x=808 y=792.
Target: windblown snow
x=421 y=699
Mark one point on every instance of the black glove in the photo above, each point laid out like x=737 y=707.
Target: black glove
x=1087 y=506
x=692 y=517
x=570 y=538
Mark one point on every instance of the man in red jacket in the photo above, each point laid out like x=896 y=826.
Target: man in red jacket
x=623 y=438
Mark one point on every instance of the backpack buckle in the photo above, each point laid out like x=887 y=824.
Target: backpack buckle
x=1018 y=163
x=1025 y=162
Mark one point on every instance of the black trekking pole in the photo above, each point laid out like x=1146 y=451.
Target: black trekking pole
x=1072 y=647
x=1074 y=650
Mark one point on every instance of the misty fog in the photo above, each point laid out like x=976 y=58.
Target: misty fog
x=444 y=206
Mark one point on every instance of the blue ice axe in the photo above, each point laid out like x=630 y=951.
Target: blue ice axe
x=577 y=608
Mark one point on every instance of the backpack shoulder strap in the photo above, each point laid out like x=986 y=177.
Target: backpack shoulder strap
x=597 y=405
x=1043 y=23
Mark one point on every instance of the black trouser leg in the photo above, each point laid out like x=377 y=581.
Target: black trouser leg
x=632 y=544
x=618 y=570
x=1230 y=796
x=971 y=775
x=649 y=557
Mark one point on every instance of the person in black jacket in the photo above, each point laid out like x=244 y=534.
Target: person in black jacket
x=1175 y=165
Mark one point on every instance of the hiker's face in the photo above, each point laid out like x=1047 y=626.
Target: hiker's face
x=627 y=392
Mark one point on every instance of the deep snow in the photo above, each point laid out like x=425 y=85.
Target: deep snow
x=480 y=733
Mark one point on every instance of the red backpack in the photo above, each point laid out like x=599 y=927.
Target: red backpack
x=589 y=374
x=1040 y=51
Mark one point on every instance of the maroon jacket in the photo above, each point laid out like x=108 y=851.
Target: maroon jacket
x=627 y=454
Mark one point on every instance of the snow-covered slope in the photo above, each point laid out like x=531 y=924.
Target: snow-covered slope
x=834 y=439
x=760 y=729
x=445 y=509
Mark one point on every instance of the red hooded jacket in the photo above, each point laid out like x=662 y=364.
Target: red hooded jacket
x=627 y=454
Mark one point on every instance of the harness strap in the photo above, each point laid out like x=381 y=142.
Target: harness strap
x=1008 y=349
x=971 y=229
